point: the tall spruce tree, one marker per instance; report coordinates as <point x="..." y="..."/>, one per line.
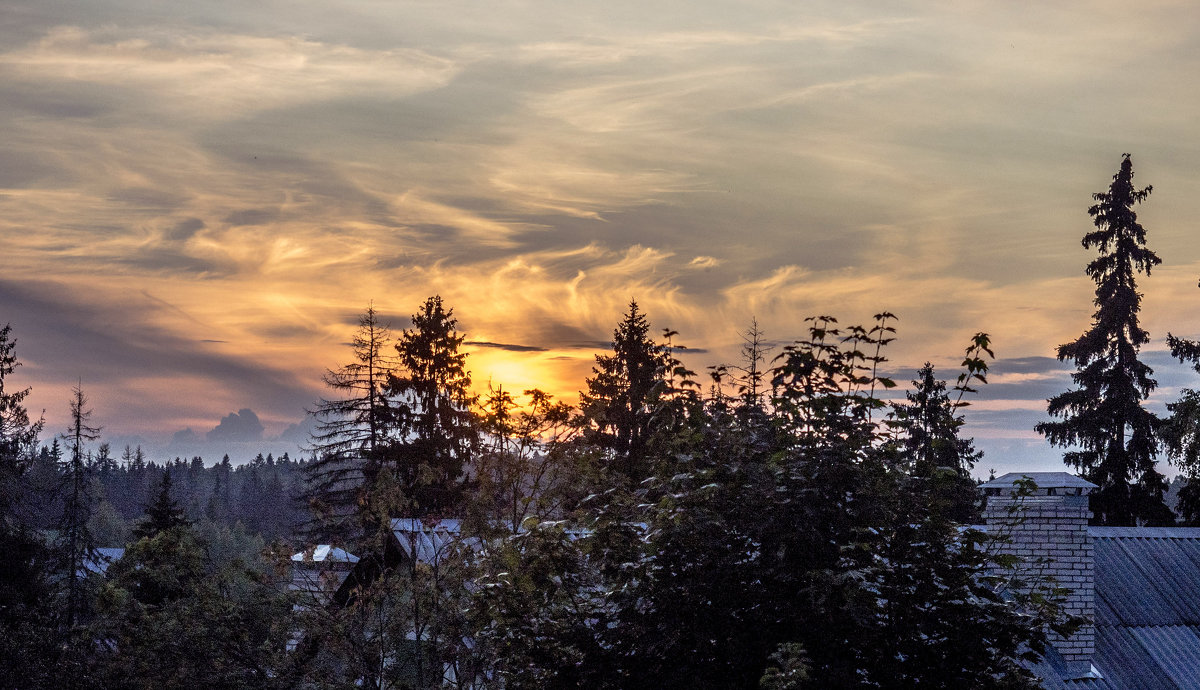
<point x="27" y="646"/>
<point x="1111" y="438"/>
<point x="351" y="430"/>
<point x="18" y="440"/>
<point x="18" y="434"/>
<point x="75" y="544"/>
<point x="436" y="433"/>
<point x="163" y="514"/>
<point x="617" y="407"/>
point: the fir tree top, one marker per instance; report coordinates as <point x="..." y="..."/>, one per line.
<point x="163" y="514"/>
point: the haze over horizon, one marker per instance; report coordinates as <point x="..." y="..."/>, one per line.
<point x="197" y="201"/>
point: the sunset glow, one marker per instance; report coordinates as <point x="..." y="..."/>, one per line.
<point x="197" y="201"/>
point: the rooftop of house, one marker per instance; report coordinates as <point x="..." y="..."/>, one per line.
<point x="324" y="553"/>
<point x="100" y="559"/>
<point x="1147" y="611"/>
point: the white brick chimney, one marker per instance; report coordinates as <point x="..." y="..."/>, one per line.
<point x="1048" y="529"/>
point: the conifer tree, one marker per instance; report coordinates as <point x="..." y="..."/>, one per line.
<point x="929" y="424"/>
<point x="163" y="514"/>
<point x="435" y="431"/>
<point x="17" y="433"/>
<point x="351" y="430"/>
<point x="1111" y="438"/>
<point x="622" y="393"/>
<point x="752" y="385"/>
<point x="75" y="543"/>
<point x="18" y="439"/>
<point x="26" y="645"/>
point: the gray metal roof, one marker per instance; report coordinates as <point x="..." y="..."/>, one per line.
<point x="1044" y="480"/>
<point x="1147" y="613"/>
<point x="324" y="553"/>
<point x="427" y="542"/>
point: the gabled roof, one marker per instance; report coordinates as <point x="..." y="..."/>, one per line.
<point x="1147" y="611"/>
<point x="426" y="541"/>
<point x="324" y="553"/>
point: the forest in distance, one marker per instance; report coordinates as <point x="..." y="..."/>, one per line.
<point x="773" y="522"/>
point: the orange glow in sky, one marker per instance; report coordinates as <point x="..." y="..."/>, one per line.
<point x="195" y="205"/>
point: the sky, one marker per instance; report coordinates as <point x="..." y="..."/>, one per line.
<point x="197" y="200"/>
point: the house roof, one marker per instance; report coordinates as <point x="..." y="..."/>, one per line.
<point x="1147" y="612"/>
<point x="426" y="541"/>
<point x="324" y="553"/>
<point x="1044" y="480"/>
<point x="99" y="560"/>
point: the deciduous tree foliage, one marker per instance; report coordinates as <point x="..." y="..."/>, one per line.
<point x="1110" y="436"/>
<point x="795" y="548"/>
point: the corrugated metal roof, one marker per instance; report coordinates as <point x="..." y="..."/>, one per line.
<point x="1147" y="613"/>
<point x="1175" y="650"/>
<point x="1147" y="577"/>
<point x="1125" y="663"/>
<point x="1145" y="532"/>
<point x="427" y="542"/>
<point x="1130" y="591"/>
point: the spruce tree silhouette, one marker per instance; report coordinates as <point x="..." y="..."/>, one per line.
<point x="162" y="514"/>
<point x="1111" y="438"/>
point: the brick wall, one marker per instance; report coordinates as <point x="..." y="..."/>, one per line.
<point x="1049" y="533"/>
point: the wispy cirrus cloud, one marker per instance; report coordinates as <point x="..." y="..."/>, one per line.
<point x="238" y="182"/>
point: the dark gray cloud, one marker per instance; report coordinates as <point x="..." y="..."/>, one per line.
<point x="110" y="340"/>
<point x="242" y="425"/>
<point x="185" y="436"/>
<point x="252" y="216"/>
<point x="22" y="169"/>
<point x="151" y="200"/>
<point x="509" y="347"/>
<point x="165" y="259"/>
<point x="61" y="100"/>
<point x="184" y="229"/>
<point x="391" y="320"/>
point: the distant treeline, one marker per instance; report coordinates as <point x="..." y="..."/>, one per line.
<point x="263" y="496"/>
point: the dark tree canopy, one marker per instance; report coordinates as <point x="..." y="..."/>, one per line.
<point x="435" y="432"/>
<point x="805" y="553"/>
<point x="17" y="433"/>
<point x="929" y="424"/>
<point x="26" y="635"/>
<point x="1180" y="432"/>
<point x="351" y="432"/>
<point x="163" y="514"/>
<point x="621" y="395"/>
<point x="1111" y="437"/>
